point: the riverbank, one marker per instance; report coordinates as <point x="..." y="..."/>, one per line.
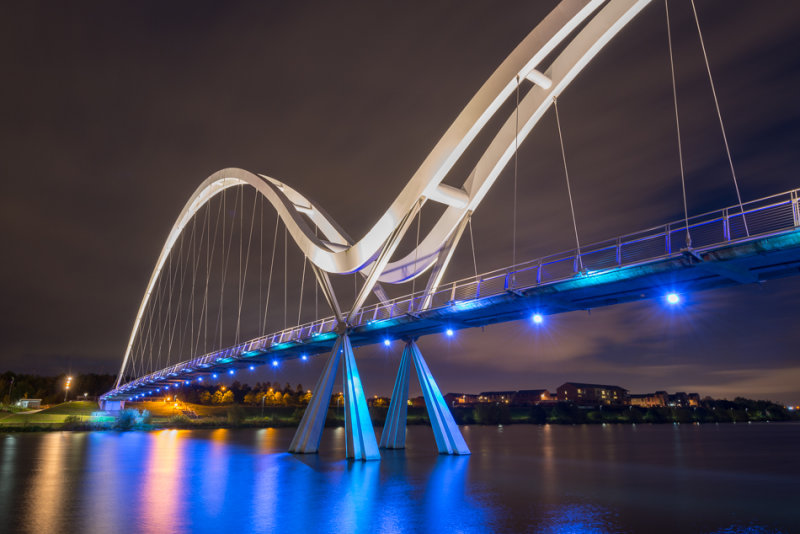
<point x="158" y="415"/>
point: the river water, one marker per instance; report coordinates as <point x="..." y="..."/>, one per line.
<point x="726" y="478"/>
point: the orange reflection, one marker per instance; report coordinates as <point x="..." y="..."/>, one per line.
<point x="163" y="481"/>
<point x="267" y="440"/>
<point x="44" y="497"/>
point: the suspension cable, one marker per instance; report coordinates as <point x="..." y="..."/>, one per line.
<point x="416" y="255"/>
<point x="719" y="116"/>
<point x="210" y="248"/>
<point x="516" y="158"/>
<point x="678" y="127"/>
<point x="246" y="264"/>
<point x="226" y="262"/>
<point x="190" y="317"/>
<point x="569" y="190"/>
<point x="195" y="264"/>
<point x="239" y="264"/>
<point x="285" y="275"/>
<point x="271" y="266"/>
<point x="302" y="284"/>
<point x="472" y="241"/>
<point x="260" y="252"/>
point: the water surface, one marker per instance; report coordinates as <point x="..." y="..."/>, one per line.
<point x="521" y="478"/>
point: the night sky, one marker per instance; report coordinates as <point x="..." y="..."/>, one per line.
<point x="112" y="113"/>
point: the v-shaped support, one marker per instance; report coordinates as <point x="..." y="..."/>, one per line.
<point x="360" y="442"/>
<point x="306" y="438"/>
<point x="445" y="430"/>
<point x="360" y="439"/>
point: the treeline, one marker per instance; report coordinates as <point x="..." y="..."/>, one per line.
<point x="739" y="410"/>
<point x="51" y="389"/>
<point x="267" y="393"/>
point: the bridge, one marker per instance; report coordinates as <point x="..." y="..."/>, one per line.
<point x="169" y="347"/>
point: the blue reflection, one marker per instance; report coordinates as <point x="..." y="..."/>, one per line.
<point x="553" y="479"/>
<point x="578" y="519"/>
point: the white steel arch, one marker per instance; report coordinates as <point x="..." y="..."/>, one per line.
<point x="337" y="253"/>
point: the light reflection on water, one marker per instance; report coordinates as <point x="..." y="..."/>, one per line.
<point x="550" y="480"/>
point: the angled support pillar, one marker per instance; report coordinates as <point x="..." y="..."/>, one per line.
<point x="394" y="430"/>
<point x="445" y="430"/>
<point x="360" y="439"/>
<point x="306" y="438"/>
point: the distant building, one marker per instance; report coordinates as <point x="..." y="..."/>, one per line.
<point x="531" y="396"/>
<point x="684" y="400"/>
<point x="581" y="393"/>
<point x="496" y="396"/>
<point x="460" y="399"/>
<point x="650" y="400"/>
<point x="662" y="398"/>
<point x="30" y="403"/>
<point x="417" y="402"/>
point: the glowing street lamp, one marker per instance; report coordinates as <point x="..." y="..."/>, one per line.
<point x="537" y="318"/>
<point x="673" y="298"/>
<point x="449" y="332"/>
<point x="66" y="387"/>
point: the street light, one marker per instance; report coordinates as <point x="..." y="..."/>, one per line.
<point x="66" y="387"/>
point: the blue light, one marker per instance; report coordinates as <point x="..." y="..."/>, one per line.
<point x="159" y="389"/>
<point x="449" y="332"/>
<point x="199" y="378"/>
<point x="252" y="367"/>
<point x="187" y="382"/>
<point x="304" y="357"/>
<point x="673" y="298"/>
<point x="214" y="375"/>
<point x="386" y="342"/>
<point x="230" y="371"/>
<point x="537" y="318"/>
<point x="274" y="363"/>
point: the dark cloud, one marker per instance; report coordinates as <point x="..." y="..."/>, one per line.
<point x="112" y="113"/>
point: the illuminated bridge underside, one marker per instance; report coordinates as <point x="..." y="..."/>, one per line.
<point x="643" y="265"/>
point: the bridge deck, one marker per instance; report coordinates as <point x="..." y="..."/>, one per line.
<point x="643" y="265"/>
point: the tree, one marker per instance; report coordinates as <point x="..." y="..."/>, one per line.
<point x="219" y="396"/>
<point x="537" y="415"/>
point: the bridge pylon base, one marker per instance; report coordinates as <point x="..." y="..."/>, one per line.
<point x="306" y="438"/>
<point x="394" y="429"/>
<point x="360" y="442"/>
<point x="445" y="430"/>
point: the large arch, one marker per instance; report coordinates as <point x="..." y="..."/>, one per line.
<point x="371" y="254"/>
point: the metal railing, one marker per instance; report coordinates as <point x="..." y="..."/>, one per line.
<point x="765" y="216"/>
